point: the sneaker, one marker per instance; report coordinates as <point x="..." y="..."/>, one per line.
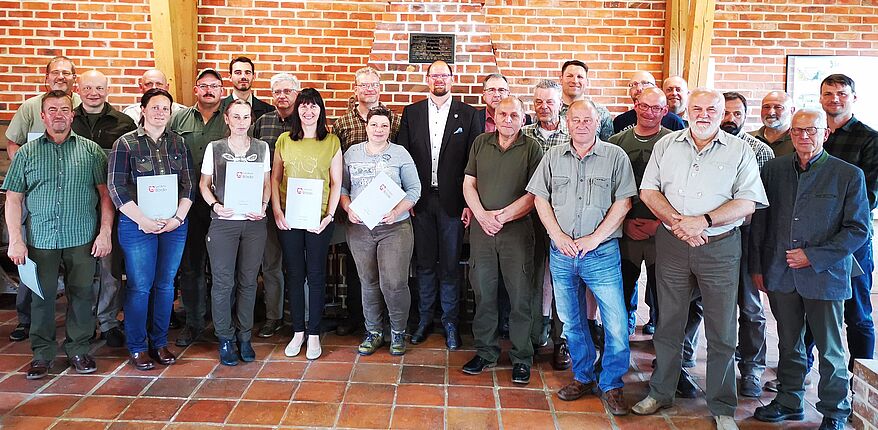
<point x="20" y="333"/>
<point x="295" y="344"/>
<point x="314" y="349"/>
<point x="649" y="328"/>
<point x="115" y="337"/>
<point x="750" y="386"/>
<point x="371" y="342"/>
<point x="187" y="336"/>
<point x="270" y="328"/>
<point x="397" y="342"/>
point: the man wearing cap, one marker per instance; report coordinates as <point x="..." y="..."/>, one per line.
<point x="199" y="125"/>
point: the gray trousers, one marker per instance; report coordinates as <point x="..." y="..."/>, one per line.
<point x="382" y="256"/>
<point x="751" y="319"/>
<point x="509" y="252"/>
<point x="825" y="318"/>
<point x="714" y="269"/>
<point x="235" y="251"/>
<point x="272" y="272"/>
<point x="109" y="293"/>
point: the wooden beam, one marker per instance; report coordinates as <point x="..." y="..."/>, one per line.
<point x="699" y="39"/>
<point x="174" y="41"/>
<point x="676" y="20"/>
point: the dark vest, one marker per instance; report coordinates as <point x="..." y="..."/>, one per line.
<point x="222" y="154"/>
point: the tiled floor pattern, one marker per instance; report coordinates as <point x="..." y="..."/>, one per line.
<point x="422" y="390"/>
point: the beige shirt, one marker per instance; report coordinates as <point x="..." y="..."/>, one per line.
<point x="698" y="182"/>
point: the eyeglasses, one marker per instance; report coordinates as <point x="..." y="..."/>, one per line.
<point x="369" y="85"/>
<point x="646" y="107"/>
<point x="641" y="84"/>
<point x="439" y="75"/>
<point x="500" y="91"/>
<point x="57" y="73"/>
<point x="797" y="131"/>
<point x="285" y="91"/>
<point x="205" y="87"/>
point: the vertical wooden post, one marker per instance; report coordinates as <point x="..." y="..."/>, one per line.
<point x="699" y="41"/>
<point x="175" y="40"/>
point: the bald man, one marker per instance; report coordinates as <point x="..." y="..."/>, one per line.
<point x="152" y="78"/>
<point x="677" y="91"/>
<point x="777" y="115"/>
<point x="638" y="82"/>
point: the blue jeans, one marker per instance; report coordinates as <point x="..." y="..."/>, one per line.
<point x="151" y="262"/>
<point x="599" y="271"/>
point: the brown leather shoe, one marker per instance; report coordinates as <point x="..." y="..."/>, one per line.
<point x="163" y="355"/>
<point x="561" y="356"/>
<point x="615" y="402"/>
<point x="141" y="361"/>
<point x="83" y="363"/>
<point x="575" y="390"/>
<point x="38" y="369"/>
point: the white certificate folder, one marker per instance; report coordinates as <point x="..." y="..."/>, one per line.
<point x="243" y="192"/>
<point x="304" y="203"/>
<point x="157" y="195"/>
<point x="377" y="199"/>
<point x="27" y="272"/>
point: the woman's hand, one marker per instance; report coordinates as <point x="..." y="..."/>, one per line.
<point x="280" y="220"/>
<point x="390" y="217"/>
<point x="152" y="226"/>
<point x="171" y="224"/>
<point x="223" y="211"/>
<point x="253" y="216"/>
<point x="353" y="218"/>
<point x="323" y="223"/>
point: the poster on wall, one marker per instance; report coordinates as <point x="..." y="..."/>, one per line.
<point x="805" y="72"/>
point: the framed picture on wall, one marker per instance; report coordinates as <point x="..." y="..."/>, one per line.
<point x="805" y="72"/>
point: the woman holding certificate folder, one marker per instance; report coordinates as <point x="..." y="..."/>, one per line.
<point x="305" y="187"/>
<point x="150" y="182"/>
<point x="235" y="184"/>
<point x="382" y="253"/>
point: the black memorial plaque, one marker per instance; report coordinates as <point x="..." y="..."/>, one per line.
<point x="430" y="47"/>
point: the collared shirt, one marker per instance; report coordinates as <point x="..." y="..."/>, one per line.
<point x="438" y="117"/>
<point x="696" y="182"/>
<point x="134" y="110"/>
<point x="190" y="125"/>
<point x="639" y="150"/>
<point x="857" y="143"/>
<point x="581" y="190"/>
<point x="135" y="154"/>
<point x="27" y="119"/>
<point x="782" y="146"/>
<point x="269" y="127"/>
<point x="762" y="151"/>
<point x="109" y="126"/>
<point x="558" y="136"/>
<point x="815" y="160"/>
<point x="606" y="129"/>
<point x="490" y="125"/>
<point x="518" y="163"/>
<point x="59" y="183"/>
<point x="351" y="128"/>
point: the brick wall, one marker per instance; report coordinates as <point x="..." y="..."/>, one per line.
<point x="324" y="42"/>
<point x="865" y="403"/>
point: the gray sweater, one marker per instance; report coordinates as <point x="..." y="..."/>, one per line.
<point x="360" y="168"/>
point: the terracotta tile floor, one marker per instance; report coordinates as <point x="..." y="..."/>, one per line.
<point x="422" y="390"/>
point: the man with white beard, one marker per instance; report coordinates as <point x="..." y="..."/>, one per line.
<point x="701" y="182"/>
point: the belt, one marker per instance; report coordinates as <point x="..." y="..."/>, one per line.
<point x="721" y="236"/>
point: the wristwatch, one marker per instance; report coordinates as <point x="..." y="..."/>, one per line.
<point x="178" y="219"/>
<point x="709" y="221"/>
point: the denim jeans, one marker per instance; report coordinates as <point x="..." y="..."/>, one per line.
<point x="305" y="256"/>
<point x="151" y="262"/>
<point x="599" y="271"/>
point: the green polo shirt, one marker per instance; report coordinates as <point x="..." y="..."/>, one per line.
<point x="782" y="146"/>
<point x="189" y="124"/>
<point x="59" y="182"/>
<point x="502" y="174"/>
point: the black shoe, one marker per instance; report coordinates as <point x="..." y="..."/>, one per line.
<point x="452" y="338"/>
<point x="21" y="332"/>
<point x="477" y="365"/>
<point x="83" y="363"/>
<point x="775" y="412"/>
<point x="831" y="424"/>
<point x="420" y="334"/>
<point x="245" y="348"/>
<point x="115" y="337"/>
<point x="227" y="354"/>
<point x="686" y="387"/>
<point x="174" y="322"/>
<point x="38" y="369"/>
<point x="270" y="328"/>
<point x="561" y="356"/>
<point x="597" y="333"/>
<point x="187" y="336"/>
<point x="649" y="328"/>
<point x="520" y="373"/>
<point x="504" y="329"/>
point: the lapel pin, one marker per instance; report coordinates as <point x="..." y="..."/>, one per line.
<point x="455" y="115"/>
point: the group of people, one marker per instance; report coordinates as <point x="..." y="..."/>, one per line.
<point x="563" y="209"/>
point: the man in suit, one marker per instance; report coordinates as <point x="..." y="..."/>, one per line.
<point x="242" y="73"/>
<point x="438" y="133"/>
<point x="802" y="253"/>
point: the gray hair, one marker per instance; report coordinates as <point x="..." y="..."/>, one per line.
<point x="286" y="77"/>
<point x="818" y="114"/>
<point x="548" y="84"/>
<point x="366" y="71"/>
<point x="493" y="76"/>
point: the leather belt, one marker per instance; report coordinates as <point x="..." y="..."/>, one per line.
<point x="721" y="236"/>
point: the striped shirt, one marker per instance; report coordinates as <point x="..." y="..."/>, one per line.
<point x="762" y="151"/>
<point x="59" y="183"/>
<point x="135" y="154"/>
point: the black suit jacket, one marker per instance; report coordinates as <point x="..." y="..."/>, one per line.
<point x="259" y="107"/>
<point x="482" y="116"/>
<point x="461" y="129"/>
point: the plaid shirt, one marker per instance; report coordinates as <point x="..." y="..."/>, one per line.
<point x="59" y="183"/>
<point x="135" y="154"/>
<point x="269" y="127"/>
<point x="559" y="135"/>
<point x="761" y="149"/>
<point x="351" y="128"/>
<point x="857" y="143"/>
